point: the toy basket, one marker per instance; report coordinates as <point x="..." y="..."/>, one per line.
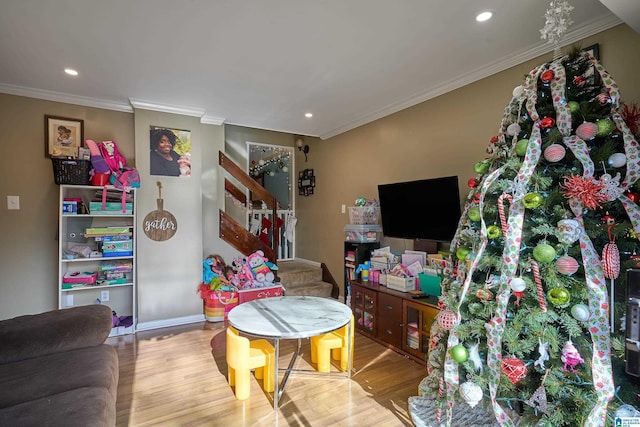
<point x="364" y="215"/>
<point x="71" y="171"/>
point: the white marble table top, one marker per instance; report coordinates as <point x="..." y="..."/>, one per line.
<point x="289" y="316"/>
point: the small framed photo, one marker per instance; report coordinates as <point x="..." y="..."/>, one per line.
<point x="63" y="136"/>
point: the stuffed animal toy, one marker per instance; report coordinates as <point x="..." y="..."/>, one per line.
<point x="213" y="268"/>
<point x="260" y="268"/>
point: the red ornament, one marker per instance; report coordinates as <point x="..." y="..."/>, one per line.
<point x="634" y="197"/>
<point x="514" y="369"/>
<point x="473" y="183"/>
<point x="547" y="122"/>
<point x="631" y="116"/>
<point x="547" y="76"/>
<point x="608" y="219"/>
<point x="579" y="80"/>
<point x="476" y="198"/>
<point x="494" y="139"/>
<point x="586" y="190"/>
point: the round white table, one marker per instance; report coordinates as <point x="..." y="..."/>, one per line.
<point x="290" y="317"/>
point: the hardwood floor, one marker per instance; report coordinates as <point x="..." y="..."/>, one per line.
<point x="178" y="377"/>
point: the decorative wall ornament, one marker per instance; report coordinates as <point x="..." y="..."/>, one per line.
<point x="306" y="182"/>
<point x="160" y="225"/>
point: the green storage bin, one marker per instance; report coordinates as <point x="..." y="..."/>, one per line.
<point x="430" y="285"/>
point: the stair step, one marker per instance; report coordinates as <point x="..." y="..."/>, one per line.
<point x="313" y="289"/>
<point x="303" y="279"/>
<point x="294" y="272"/>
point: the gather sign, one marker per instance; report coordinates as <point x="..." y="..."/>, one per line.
<point x="160" y="225"/>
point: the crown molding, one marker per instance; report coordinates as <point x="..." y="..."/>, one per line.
<point x="212" y="120"/>
<point x="65" y="98"/>
<point x="165" y="108"/>
<point x="580" y="33"/>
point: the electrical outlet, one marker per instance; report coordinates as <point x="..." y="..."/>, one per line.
<point x="104" y="296"/>
<point x="344" y="208"/>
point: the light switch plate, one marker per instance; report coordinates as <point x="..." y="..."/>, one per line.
<point x="13" y="203"/>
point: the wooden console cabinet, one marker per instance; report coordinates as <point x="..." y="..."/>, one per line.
<point x="393" y="318"/>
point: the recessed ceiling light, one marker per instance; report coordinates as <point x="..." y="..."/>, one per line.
<point x="308" y="115"/>
<point x="484" y="16"/>
<point x="71" y="71"/>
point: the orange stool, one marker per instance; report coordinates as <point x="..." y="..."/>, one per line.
<point x="243" y="356"/>
<point x="334" y="343"/>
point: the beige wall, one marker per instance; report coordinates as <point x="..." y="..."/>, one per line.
<point x="28" y="246"/>
<point x="441" y="137"/>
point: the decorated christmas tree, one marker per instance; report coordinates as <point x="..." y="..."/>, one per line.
<point x="532" y="325"/>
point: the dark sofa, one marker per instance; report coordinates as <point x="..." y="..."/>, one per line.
<point x="55" y="369"/>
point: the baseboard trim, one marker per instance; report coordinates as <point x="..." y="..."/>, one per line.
<point x="176" y="321"/>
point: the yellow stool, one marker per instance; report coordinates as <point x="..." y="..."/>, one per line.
<point x="334" y="343"/>
<point x="243" y="356"/>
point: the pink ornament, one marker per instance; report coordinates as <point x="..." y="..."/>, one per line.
<point x="570" y="357"/>
<point x="567" y="265"/>
<point x="611" y="261"/>
<point x="587" y="131"/>
<point x="554" y="153"/>
<point x="447" y="319"/>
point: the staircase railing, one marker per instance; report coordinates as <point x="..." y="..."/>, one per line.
<point x="236" y="234"/>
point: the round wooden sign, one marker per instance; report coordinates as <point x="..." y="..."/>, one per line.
<point x="160" y="225"/>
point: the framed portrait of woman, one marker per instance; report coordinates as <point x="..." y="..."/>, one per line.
<point x="169" y="152"/>
<point x="63" y="136"/>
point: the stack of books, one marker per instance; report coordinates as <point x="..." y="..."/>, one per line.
<point x="112" y="241"/>
<point x="115" y="272"/>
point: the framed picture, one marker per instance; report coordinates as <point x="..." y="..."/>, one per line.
<point x="169" y="151"/>
<point x="593" y="50"/>
<point x="306" y="182"/>
<point x="63" y="136"/>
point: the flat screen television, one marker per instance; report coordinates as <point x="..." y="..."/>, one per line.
<point x="427" y="209"/>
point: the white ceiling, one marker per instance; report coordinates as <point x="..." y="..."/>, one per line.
<point x="264" y="63"/>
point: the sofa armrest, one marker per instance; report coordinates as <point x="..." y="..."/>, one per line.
<point x="30" y="336"/>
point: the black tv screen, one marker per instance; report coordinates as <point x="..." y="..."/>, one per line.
<point x="427" y="209"/>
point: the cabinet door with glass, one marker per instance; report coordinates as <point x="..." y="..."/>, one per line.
<point x="416" y="326"/>
<point x="363" y="304"/>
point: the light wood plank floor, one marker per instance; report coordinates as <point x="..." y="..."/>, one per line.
<point x="178" y="377"/>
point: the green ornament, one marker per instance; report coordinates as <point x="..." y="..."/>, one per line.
<point x="481" y="167"/>
<point x="544" y="253"/>
<point x="605" y="127"/>
<point x="493" y="231"/>
<point x="574" y="107"/>
<point x="521" y="147"/>
<point x="459" y="353"/>
<point x="474" y="213"/>
<point x="532" y="200"/>
<point x="462" y="253"/>
<point x="559" y="296"/>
